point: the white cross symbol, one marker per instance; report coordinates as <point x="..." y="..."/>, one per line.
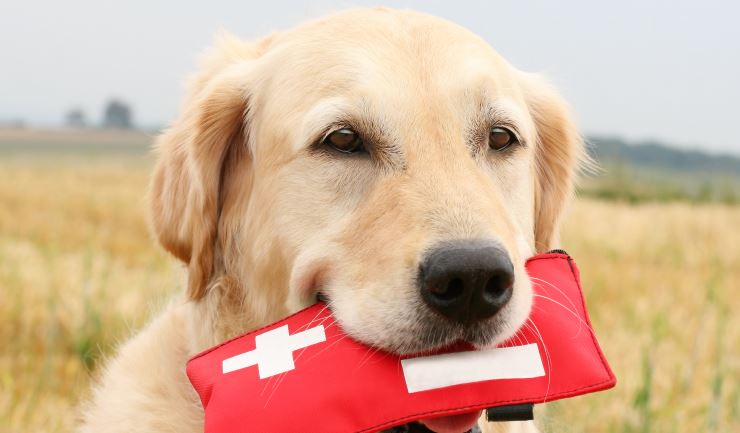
<point x="273" y="353"/>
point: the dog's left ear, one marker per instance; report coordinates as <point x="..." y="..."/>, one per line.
<point x="185" y="193"/>
<point x="559" y="154"/>
<point x="198" y="154"/>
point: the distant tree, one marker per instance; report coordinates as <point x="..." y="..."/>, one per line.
<point x="117" y="114"/>
<point x="12" y="123"/>
<point x="75" y="118"/>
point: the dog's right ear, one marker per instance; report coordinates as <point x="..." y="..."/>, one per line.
<point x="559" y="156"/>
<point x="185" y="193"/>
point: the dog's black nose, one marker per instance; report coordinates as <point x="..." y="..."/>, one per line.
<point x="468" y="280"/>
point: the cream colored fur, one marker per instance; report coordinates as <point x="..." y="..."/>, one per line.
<point x="263" y="217"/>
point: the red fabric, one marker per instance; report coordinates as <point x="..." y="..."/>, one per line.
<point x="341" y="386"/>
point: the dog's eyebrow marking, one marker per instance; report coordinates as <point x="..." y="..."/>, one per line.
<point x="488" y="114"/>
<point x="337" y="112"/>
<point x="326" y="112"/>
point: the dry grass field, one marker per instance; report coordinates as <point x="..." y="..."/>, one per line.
<point x="79" y="273"/>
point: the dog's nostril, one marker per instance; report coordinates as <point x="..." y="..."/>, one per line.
<point x="498" y="285"/>
<point x="452" y="290"/>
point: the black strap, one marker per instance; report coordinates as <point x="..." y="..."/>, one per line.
<point x="514" y="412"/>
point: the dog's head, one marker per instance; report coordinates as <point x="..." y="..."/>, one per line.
<point x="389" y="161"/>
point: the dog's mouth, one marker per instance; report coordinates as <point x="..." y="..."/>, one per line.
<point x="460" y="423"/>
<point x="428" y="333"/>
<point x="435" y="334"/>
<point x="463" y="423"/>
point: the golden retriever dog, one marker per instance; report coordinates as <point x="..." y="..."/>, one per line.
<point x="389" y="162"/>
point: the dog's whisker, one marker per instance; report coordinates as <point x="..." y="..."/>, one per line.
<point x="328" y="347"/>
<point x="300" y="352"/>
<point x="333" y="323"/>
<point x="518" y="339"/>
<point x="268" y="384"/>
<point x="274" y="389"/>
<point x="282" y="376"/>
<point x="570" y="301"/>
<point x="308" y="325"/>
<point x="547" y="355"/>
<point x="279" y="381"/>
<point x="581" y="322"/>
<point x="366" y="358"/>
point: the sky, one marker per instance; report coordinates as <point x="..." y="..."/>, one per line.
<point x="643" y="70"/>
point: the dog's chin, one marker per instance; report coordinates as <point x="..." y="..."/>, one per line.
<point x="434" y="334"/>
<point x="426" y="332"/>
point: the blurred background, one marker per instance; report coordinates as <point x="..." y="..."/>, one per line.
<point x="86" y="85"/>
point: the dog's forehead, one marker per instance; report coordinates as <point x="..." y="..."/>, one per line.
<point x="381" y="50"/>
<point x="385" y="60"/>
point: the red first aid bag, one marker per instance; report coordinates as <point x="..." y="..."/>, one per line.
<point x="304" y="374"/>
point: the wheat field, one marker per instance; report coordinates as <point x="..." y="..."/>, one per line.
<point x="79" y="273"/>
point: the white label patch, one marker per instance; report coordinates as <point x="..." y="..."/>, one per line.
<point x="273" y="353"/>
<point x="439" y="371"/>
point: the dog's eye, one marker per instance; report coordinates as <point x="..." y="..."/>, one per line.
<point x="500" y="138"/>
<point x="345" y="140"/>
